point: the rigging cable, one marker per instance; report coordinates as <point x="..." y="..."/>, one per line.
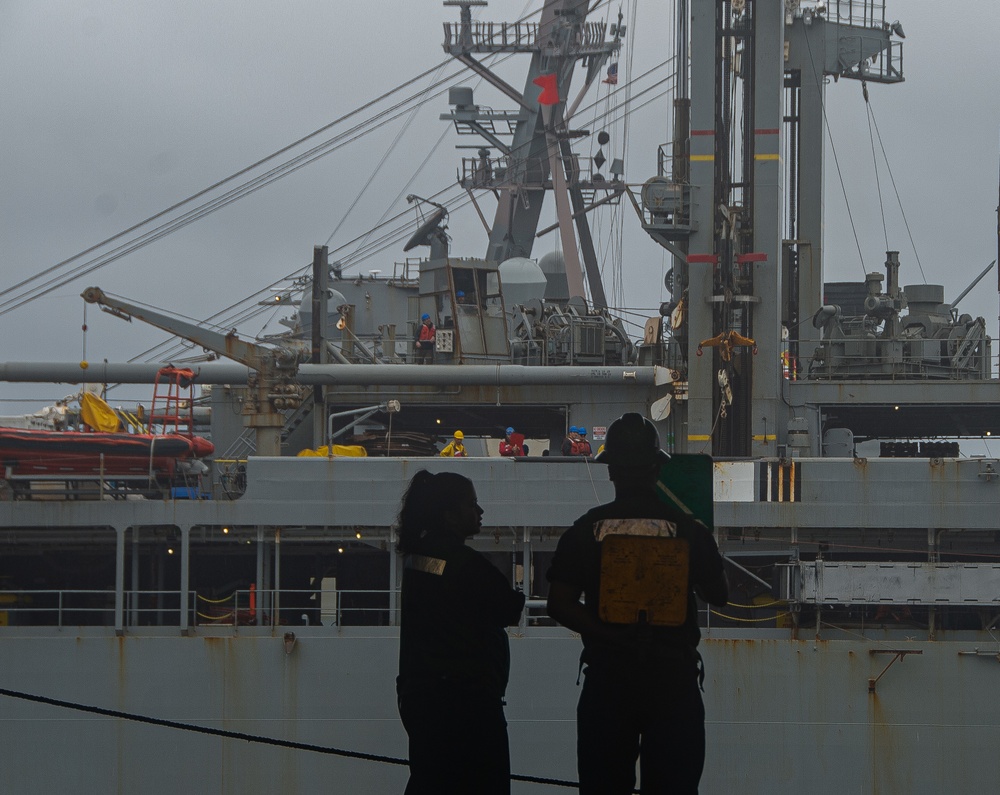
<point x="222" y="182"/>
<point x="836" y="160"/>
<point x="27" y="298"/>
<point x="895" y="189"/>
<point x="250" y="738"/>
<point x="385" y="157"/>
<point x="878" y="182"/>
<point x="211" y="206"/>
<point x="401" y="232"/>
<point x="406" y="188"/>
<point x="403" y="229"/>
<point x="395" y="235"/>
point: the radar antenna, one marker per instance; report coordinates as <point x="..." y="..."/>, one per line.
<point x="431" y="232"/>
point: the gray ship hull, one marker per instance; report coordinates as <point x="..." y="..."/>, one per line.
<point x="790" y="703"/>
<point x="781" y="715"/>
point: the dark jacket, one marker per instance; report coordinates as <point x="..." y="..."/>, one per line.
<point x="455" y="606"/>
<point x="577" y="562"/>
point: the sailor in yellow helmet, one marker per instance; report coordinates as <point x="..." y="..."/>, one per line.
<point x="455" y="448"/>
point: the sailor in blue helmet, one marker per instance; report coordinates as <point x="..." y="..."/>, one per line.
<point x="512" y="444"/>
<point x="423" y="343"/>
<point x="583" y="446"/>
<point x="569" y="443"/>
<point x="641" y="696"/>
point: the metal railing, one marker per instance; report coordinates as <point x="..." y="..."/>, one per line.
<point x="241" y="608"/>
<point x="367" y="608"/>
<point x="75" y="607"/>
<point x="78" y="607"/>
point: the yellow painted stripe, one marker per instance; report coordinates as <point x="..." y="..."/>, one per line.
<point x="703" y="157"/>
<point x="698" y="437"/>
<point x="769" y="437"/>
<point x="767" y="157"/>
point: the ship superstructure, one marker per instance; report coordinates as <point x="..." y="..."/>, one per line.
<point x="860" y="640"/>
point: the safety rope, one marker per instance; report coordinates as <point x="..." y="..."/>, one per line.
<point x="757" y="607"/>
<point x="251" y="738"/>
<point x="216" y="601"/>
<point x="223" y="617"/>
<point x="750" y="620"/>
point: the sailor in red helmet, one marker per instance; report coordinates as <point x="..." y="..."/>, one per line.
<point x="641" y="696"/>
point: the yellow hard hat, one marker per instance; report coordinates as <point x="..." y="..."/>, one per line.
<point x="459" y="435"/>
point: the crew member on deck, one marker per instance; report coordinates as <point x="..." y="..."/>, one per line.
<point x="512" y="444"/>
<point x="569" y="443"/>
<point x="423" y="344"/>
<point x="456" y="447"/>
<point x="641" y="696"/>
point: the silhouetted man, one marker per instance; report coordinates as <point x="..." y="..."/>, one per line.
<point x="638" y="562"/>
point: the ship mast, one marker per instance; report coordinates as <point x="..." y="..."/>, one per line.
<point x="538" y="157"/>
<point x="758" y="75"/>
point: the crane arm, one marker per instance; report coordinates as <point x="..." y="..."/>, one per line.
<point x="229" y="345"/>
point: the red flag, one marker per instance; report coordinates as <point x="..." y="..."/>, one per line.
<point x="550" y="89"/>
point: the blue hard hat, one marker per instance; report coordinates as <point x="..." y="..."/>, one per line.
<point x="573" y="429"/>
<point x="581" y="431"/>
<point x="509" y="431"/>
<point x="425" y="316"/>
<point x="460" y="294"/>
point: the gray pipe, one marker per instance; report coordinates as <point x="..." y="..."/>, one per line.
<point x="471" y="375"/>
<point x="343" y="374"/>
<point x="110" y="373"/>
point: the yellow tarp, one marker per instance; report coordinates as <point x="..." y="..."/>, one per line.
<point x="98" y="414"/>
<point x="347" y="450"/>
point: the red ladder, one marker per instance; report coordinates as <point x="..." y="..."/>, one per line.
<point x="173" y="401"/>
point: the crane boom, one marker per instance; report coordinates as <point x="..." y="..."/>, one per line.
<point x="270" y="387"/>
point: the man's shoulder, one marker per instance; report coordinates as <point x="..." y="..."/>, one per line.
<point x="652" y="508"/>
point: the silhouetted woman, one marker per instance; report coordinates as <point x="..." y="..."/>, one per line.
<point x="454" y="658"/>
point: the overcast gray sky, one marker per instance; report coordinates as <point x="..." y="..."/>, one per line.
<point x="113" y="111"/>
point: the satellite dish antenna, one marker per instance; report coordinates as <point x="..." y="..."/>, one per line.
<point x="428" y="231"/>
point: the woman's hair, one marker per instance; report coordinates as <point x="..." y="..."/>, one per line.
<point x="424" y="504"/>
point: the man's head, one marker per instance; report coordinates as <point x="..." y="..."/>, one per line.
<point x="632" y="446"/>
<point x="425" y="319"/>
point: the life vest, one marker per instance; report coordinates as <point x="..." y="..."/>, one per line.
<point x="645" y="570"/>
